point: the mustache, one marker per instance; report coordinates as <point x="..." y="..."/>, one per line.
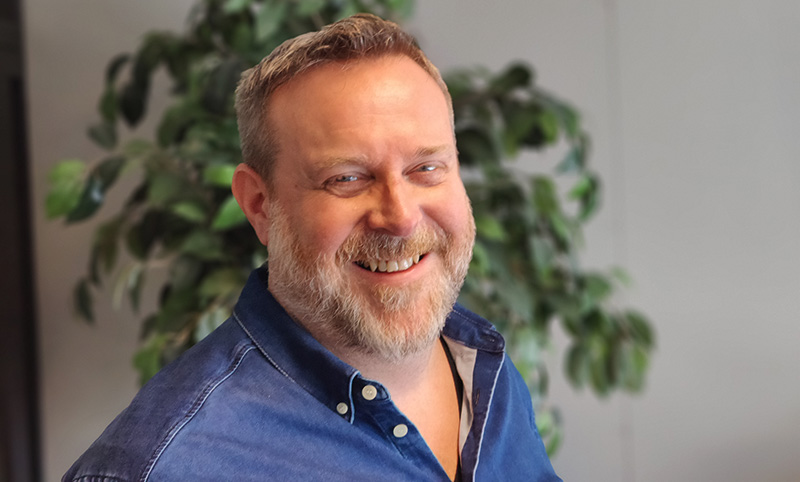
<point x="363" y="246"/>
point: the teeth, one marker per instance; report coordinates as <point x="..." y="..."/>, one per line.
<point x="390" y="266"/>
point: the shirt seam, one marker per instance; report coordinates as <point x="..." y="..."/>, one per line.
<point x="261" y="348"/>
<point x="482" y="327"/>
<point x="101" y="477"/>
<point x="196" y="406"/>
<point x="486" y="419"/>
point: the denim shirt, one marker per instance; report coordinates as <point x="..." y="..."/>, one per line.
<point x="261" y="399"/>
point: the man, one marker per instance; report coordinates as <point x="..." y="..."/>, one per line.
<point x="345" y="359"/>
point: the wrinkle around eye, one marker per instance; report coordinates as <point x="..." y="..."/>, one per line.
<point x="346" y="185"/>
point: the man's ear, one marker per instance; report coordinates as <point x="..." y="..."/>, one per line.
<point x="252" y="194"/>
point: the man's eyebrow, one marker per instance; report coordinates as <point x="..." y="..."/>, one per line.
<point x="421" y="153"/>
<point x="433" y="150"/>
<point x="333" y="162"/>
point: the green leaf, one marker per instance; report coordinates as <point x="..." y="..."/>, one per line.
<point x="516" y="76"/>
<point x="222" y="282"/>
<point x="164" y="187"/>
<point x="114" y="67"/>
<point x="229" y="215"/>
<point x="204" y="245"/>
<point x="105" y="243"/>
<point x="489" y="228"/>
<point x="474" y="147"/>
<point x="90" y="201"/>
<point x="141" y="237"/>
<point x="480" y="264"/>
<point x="403" y="8"/>
<point x="147" y="361"/>
<point x="269" y="19"/>
<point x="209" y="321"/>
<point x="640" y="329"/>
<point x="548" y="123"/>
<point x="577" y="365"/>
<point x="520" y="120"/>
<point x="189" y="211"/>
<point x="553" y="443"/>
<point x="544" y="196"/>
<point x="310" y="7"/>
<point x="236" y="6"/>
<point x="83" y="301"/>
<point x="66" y="180"/>
<point x="242" y="38"/>
<point x="347" y="9"/>
<point x="574" y="161"/>
<point x="596" y="289"/>
<point x="107" y="171"/>
<point x="587" y="191"/>
<point x="132" y="102"/>
<point x="175" y="122"/>
<point x="129" y="281"/>
<point x="221" y="84"/>
<point x="219" y="174"/>
<point x="108" y="105"/>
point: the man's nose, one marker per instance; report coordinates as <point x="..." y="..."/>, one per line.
<point x="397" y="209"/>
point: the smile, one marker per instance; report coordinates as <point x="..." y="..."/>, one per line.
<point x="390" y="266"/>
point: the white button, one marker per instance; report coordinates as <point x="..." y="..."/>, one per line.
<point x="400" y="430"/>
<point x="342" y="408"/>
<point x="369" y="392"/>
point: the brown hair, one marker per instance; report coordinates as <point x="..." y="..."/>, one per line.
<point x="358" y="37"/>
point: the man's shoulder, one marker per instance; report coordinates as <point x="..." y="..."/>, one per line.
<point x="132" y="443"/>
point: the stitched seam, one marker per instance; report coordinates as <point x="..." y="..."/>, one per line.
<point x="101" y="477"/>
<point x="198" y="404"/>
<point x="486" y="419"/>
<point x="261" y="348"/>
<point x="473" y="323"/>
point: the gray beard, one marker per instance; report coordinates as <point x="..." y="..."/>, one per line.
<point x="389" y="322"/>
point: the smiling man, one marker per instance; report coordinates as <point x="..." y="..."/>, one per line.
<point x="346" y="357"/>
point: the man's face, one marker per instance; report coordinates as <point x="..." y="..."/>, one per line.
<point x="370" y="227"/>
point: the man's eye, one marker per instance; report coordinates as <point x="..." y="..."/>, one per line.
<point x="345" y="178"/>
<point x="428" y="174"/>
<point x="347" y="185"/>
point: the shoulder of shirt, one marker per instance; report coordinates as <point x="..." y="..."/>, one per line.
<point x="132" y="443"/>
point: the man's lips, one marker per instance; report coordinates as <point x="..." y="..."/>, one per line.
<point x="390" y="265"/>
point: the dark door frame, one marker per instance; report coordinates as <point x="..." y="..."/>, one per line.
<point x="19" y="426"/>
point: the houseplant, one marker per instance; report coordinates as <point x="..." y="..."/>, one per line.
<point x="525" y="274"/>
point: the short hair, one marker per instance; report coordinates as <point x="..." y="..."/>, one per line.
<point x="361" y="36"/>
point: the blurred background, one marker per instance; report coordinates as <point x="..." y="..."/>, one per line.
<point x="692" y="106"/>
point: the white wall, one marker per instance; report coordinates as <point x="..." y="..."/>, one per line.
<point x="692" y="107"/>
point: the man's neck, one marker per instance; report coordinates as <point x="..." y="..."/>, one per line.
<point x="422" y="387"/>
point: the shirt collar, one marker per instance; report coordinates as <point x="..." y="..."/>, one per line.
<point x="288" y="346"/>
<point x="292" y="350"/>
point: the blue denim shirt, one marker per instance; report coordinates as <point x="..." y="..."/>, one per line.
<point x="260" y="399"/>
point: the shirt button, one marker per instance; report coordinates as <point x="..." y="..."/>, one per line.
<point x="400" y="430"/>
<point x="342" y="408"/>
<point x="369" y="392"/>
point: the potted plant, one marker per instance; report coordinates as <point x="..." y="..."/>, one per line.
<point x="525" y="274"/>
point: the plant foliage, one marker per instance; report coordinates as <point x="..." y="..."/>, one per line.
<point x="525" y="273"/>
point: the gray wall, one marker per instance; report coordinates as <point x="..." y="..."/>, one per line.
<point x="692" y="106"/>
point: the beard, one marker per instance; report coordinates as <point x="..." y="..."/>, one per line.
<point x="391" y="322"/>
